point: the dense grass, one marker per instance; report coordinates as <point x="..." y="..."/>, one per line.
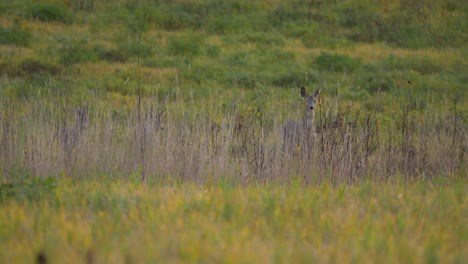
<point x="127" y="221"/>
<point x="225" y="138"/>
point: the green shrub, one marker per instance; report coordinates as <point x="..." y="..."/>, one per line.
<point x="234" y="24"/>
<point x="336" y="62"/>
<point x="110" y="55"/>
<point x="287" y="78"/>
<point x="15" y="35"/>
<point x="362" y="19"/>
<point x="33" y="66"/>
<point x="302" y="30"/>
<point x="26" y="187"/>
<point x="223" y="17"/>
<point x="19" y="89"/>
<point x="240" y="58"/>
<point x="50" y="12"/>
<point x="76" y="51"/>
<point x="29" y="67"/>
<point x="376" y="82"/>
<point x="166" y="93"/>
<point x="5" y="66"/>
<point x="220" y="25"/>
<point x="213" y="51"/>
<point x="177" y="16"/>
<point x="203" y="71"/>
<point x="262" y="38"/>
<point x="73" y="55"/>
<point x="296" y="12"/>
<point x="279" y="68"/>
<point x="403" y="30"/>
<point x="419" y="26"/>
<point x="85" y="5"/>
<point x="123" y="81"/>
<point x="4" y="7"/>
<point x="126" y="82"/>
<point x="131" y="48"/>
<point x="185" y="45"/>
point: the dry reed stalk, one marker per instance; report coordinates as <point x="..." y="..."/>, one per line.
<point x="188" y="145"/>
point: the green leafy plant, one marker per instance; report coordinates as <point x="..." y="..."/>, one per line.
<point x="185" y="45"/>
<point x="24" y="186"/>
<point x="50" y="12"/>
<point x="336" y="62"/>
<point x="73" y="51"/>
<point x="110" y="54"/>
<point x="15" y="35"/>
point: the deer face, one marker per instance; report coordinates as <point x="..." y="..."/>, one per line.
<point x="310" y="99"/>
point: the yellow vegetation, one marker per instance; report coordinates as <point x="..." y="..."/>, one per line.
<point x="125" y="221"/>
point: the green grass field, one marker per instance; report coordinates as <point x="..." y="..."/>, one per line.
<point x="127" y="221"/>
<point x="152" y="131"/>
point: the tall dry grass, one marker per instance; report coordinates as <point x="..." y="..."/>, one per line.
<point x="186" y="143"/>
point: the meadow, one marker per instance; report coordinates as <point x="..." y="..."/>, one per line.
<point x="130" y="222"/>
<point x="152" y="131"/>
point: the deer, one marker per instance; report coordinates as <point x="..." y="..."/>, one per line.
<point x="298" y="137"/>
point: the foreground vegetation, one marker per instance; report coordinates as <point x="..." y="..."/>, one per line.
<point x="126" y="221"/>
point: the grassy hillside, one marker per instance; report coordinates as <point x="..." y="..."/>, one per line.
<point x="368" y="47"/>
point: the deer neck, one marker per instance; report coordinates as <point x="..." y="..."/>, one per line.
<point x="308" y="122"/>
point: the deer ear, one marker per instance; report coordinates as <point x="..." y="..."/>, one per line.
<point x="303" y="92"/>
<point x="317" y="92"/>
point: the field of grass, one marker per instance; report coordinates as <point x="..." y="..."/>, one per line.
<point x="130" y="222"/>
<point x="151" y="131"/>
